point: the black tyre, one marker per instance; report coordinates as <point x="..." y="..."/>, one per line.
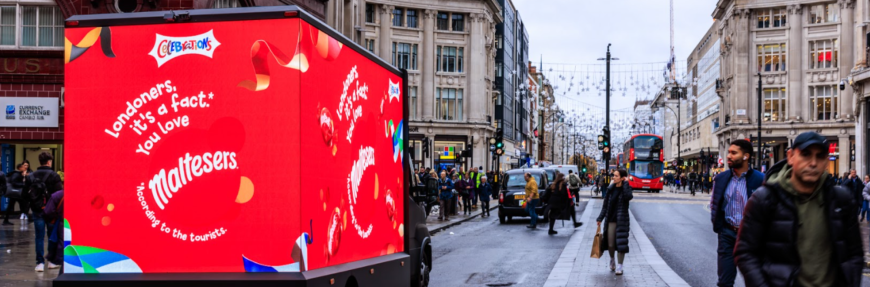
<point x="425" y="269"/>
<point x="501" y="218"/>
<point x="510" y="218"/>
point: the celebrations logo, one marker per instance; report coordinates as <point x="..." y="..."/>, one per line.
<point x="168" y="48"/>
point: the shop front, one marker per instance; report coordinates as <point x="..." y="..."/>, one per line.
<point x="31" y="93"/>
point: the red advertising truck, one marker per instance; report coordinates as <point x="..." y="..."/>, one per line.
<point x="235" y="147"/>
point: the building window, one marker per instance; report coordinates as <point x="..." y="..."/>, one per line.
<point x="38" y="26"/>
<point x="771" y="58"/>
<point x="7" y="25"/>
<point x="412" y="18"/>
<point x="449" y="59"/>
<point x="370" y="13"/>
<point x="498" y="70"/>
<point x="824" y="54"/>
<point x="448" y="104"/>
<point x="771" y="18"/>
<point x="405" y="56"/>
<point x="397" y="17"/>
<point x="412" y="109"/>
<point x="458" y="22"/>
<point x="774" y="104"/>
<point x="370" y="45"/>
<point x="226" y="3"/>
<point x="443" y="21"/>
<point x="824" y="13"/>
<point x="823" y="101"/>
<point x="498" y="41"/>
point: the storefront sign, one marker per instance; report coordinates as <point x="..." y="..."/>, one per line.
<point x="31" y="66"/>
<point x="29" y="112"/>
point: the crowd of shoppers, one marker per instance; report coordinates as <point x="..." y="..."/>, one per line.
<point x="39" y="196"/>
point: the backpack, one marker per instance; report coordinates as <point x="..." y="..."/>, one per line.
<point x="39" y="191"/>
<point x="573" y="180"/>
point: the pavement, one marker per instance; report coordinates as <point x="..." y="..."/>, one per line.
<point x="18" y="257"/>
<point x="642" y="266"/>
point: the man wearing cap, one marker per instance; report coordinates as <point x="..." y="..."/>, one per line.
<point x="800" y="228"/>
<point x="731" y="191"/>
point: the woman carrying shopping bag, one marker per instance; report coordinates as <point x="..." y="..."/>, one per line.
<point x="615" y="210"/>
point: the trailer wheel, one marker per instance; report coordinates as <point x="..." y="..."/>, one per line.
<point x="425" y="266"/>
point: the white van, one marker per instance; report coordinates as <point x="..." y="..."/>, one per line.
<point x="564" y="169"/>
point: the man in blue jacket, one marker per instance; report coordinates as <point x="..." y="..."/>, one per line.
<point x="731" y="191"/>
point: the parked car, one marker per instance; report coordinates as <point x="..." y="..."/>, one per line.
<point x="513" y="193"/>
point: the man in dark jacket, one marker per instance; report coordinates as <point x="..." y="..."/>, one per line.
<point x="801" y="229"/>
<point x="856" y="187"/>
<point x="45" y="173"/>
<point x="731" y="191"/>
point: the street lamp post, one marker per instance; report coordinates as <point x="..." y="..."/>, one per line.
<point x="679" y="134"/>
<point x="759" y="122"/>
<point x="606" y="157"/>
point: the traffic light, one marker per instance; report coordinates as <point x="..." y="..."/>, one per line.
<point x="600" y="142"/>
<point x="606" y="137"/>
<point x="499" y="144"/>
<point x="584" y="168"/>
<point x="425" y="147"/>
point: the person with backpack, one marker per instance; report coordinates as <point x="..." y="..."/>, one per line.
<point x="574" y="185"/>
<point x="45" y="182"/>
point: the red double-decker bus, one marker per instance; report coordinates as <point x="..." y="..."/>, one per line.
<point x="644" y="161"/>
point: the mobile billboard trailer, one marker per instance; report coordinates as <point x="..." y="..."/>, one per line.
<point x="241" y="145"/>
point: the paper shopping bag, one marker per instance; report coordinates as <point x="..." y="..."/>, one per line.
<point x="596" y="244"/>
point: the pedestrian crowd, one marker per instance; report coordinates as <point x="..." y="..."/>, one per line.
<point x="39" y="196"/>
<point x="458" y="190"/>
<point x="793" y="225"/>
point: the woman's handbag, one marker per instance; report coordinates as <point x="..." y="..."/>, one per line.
<point x="596" y="244"/>
<point x="12" y="192"/>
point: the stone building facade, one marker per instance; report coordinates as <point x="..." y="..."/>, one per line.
<point x="860" y="81"/>
<point x="448" y="48"/>
<point x="802" y="51"/>
<point x="699" y="112"/>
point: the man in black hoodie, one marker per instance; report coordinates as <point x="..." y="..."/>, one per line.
<point x="799" y="228"/>
<point x="44" y="174"/>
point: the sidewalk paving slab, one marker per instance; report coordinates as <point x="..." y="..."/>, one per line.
<point x="643" y="266"/>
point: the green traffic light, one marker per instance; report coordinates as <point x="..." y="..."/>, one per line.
<point x="499" y="145"/>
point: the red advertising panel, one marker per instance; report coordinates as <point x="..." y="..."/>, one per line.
<point x="239" y="146"/>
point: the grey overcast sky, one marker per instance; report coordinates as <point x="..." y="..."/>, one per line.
<point x="577" y="32"/>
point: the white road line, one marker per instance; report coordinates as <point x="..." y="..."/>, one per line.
<point x="562" y="270"/>
<point x="652" y="256"/>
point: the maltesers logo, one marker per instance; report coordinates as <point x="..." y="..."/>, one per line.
<point x="168" y="48"/>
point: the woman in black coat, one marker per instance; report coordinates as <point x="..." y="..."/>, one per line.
<point x="615" y="210"/>
<point x="19" y="179"/>
<point x="559" y="202"/>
